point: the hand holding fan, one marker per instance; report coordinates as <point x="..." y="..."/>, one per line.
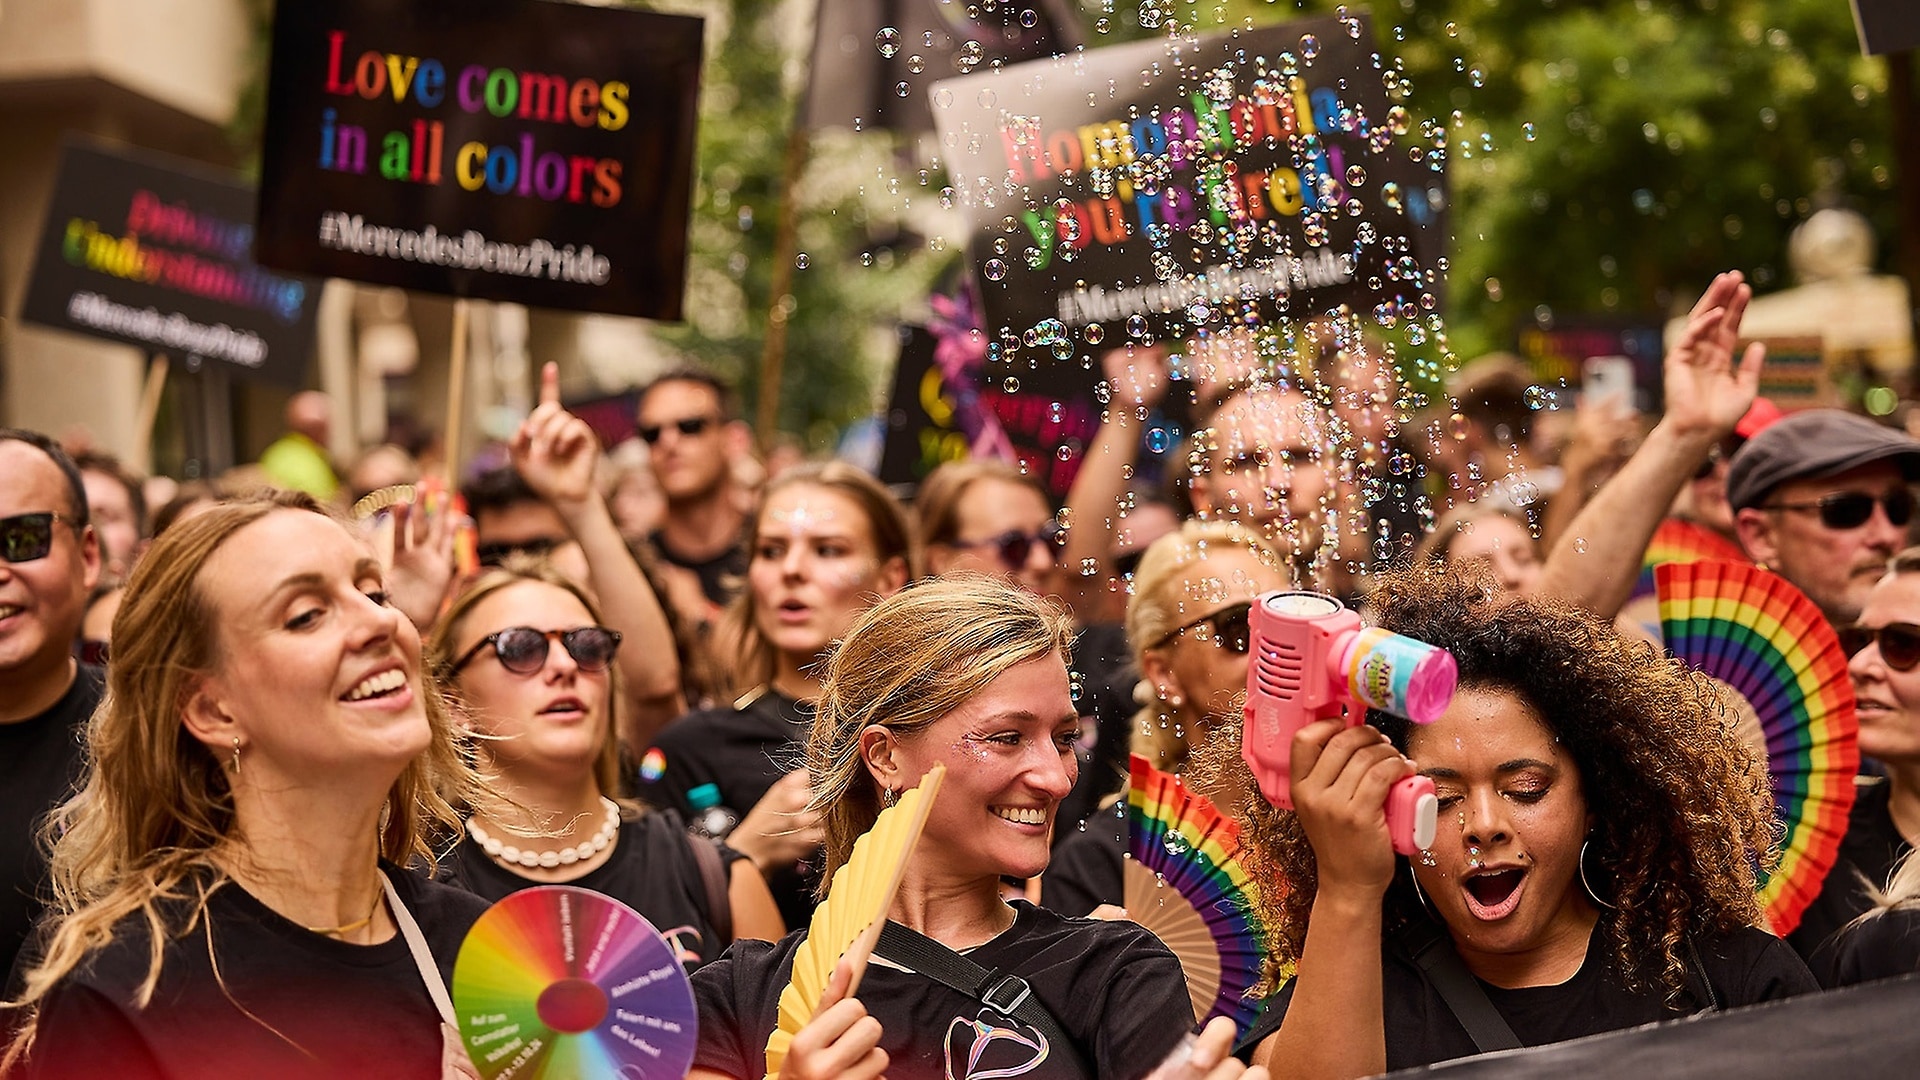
<point x="1186" y="883"/>
<point x="849" y="920"/>
<point x="1765" y="639"/>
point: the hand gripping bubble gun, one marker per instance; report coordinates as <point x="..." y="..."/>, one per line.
<point x="1310" y="660"/>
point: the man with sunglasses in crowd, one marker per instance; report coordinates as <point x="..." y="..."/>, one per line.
<point x="1824" y="499"/>
<point x="686" y="420"/>
<point x="49" y="562"/>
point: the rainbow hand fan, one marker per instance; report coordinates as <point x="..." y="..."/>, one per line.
<point x="557" y="981"/>
<point x="1186" y="883"/>
<point x="1680" y="541"/>
<point x="849" y="920"/>
<point x="1763" y="637"/>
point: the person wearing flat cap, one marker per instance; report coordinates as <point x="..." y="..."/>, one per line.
<point x="1823" y="498"/>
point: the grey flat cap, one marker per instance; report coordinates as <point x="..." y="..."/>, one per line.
<point x="1813" y="443"/>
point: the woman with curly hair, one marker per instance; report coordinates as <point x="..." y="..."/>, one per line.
<point x="1599" y="824"/>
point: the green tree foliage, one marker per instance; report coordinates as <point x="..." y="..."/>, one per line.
<point x="1607" y="157"/>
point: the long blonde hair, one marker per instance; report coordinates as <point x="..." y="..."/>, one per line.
<point x="1155" y="609"/>
<point x="517" y="570"/>
<point x="908" y="661"/>
<point x="156" y="808"/>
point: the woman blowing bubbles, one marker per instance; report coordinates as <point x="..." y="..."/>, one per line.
<point x="1598" y="825"/>
<point x="968" y="673"/>
<point x="228" y="902"/>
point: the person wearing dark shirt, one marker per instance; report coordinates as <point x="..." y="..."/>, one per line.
<point x="49" y="562"/>
<point x="256" y="822"/>
<point x="828" y="541"/>
<point x="1593" y="867"/>
<point x="1884" y="660"/>
<point x="966" y="674"/>
<point x="524" y="656"/>
<point x="686" y="419"/>
<point x="1188" y="618"/>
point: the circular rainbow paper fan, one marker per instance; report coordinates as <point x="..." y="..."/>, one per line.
<point x="559" y="982"/>
<point x="1185" y="881"/>
<point x="1758" y="634"/>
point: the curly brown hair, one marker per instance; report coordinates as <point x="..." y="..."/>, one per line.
<point x="1682" y="807"/>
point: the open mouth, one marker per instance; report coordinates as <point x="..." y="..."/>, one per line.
<point x="565" y="706"/>
<point x="1493" y="894"/>
<point x="385" y="684"/>
<point x="8" y="611"/>
<point x="1021" y="815"/>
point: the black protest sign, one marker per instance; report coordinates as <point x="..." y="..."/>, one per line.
<point x="1887" y="26"/>
<point x="517" y="150"/>
<point x="1172" y="188"/>
<point x="921" y="429"/>
<point x="157" y="252"/>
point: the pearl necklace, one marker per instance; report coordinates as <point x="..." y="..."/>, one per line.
<point x="547" y="860"/>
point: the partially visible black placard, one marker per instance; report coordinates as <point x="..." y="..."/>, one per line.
<point x="921" y="429"/>
<point x="1887" y="26"/>
<point x="517" y="150"/>
<point x="157" y="252"/>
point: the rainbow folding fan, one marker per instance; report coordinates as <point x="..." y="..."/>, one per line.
<point x="1680" y="541"/>
<point x="1186" y="883"/>
<point x="849" y="920"/>
<point x="1753" y="631"/>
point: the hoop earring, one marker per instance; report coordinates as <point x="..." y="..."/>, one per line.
<point x="236" y="755"/>
<point x="1584" y="883"/>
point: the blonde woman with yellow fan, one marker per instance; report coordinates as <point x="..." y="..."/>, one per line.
<point x="968" y="673"/>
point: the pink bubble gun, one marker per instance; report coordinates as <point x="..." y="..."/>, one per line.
<point x="1311" y="660"/>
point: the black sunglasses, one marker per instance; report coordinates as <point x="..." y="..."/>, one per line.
<point x="1852" y="509"/>
<point x="1230" y="626"/>
<point x="1720" y="453"/>
<point x="1899" y="643"/>
<point x="523" y="650"/>
<point x="1014" y="547"/>
<point x="26" y="537"/>
<point x="691" y="426"/>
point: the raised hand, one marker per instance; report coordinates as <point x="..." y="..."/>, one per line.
<point x="1207" y="1057"/>
<point x="1340" y="781"/>
<point x="1136" y="377"/>
<point x="1707" y="392"/>
<point x="423" y="571"/>
<point x="554" y="450"/>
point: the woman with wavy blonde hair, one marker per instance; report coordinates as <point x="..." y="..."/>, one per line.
<point x="1593" y="870"/>
<point x="968" y="673"/>
<point x="1187" y="622"/>
<point x="230" y="897"/>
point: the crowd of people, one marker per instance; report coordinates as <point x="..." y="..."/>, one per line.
<point x="265" y="762"/>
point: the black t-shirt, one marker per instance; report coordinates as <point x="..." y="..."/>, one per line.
<point x="652" y="870"/>
<point x="1104" y="677"/>
<point x="1882" y="945"/>
<point x="1867" y="854"/>
<point x="742" y="752"/>
<point x="1086" y="868"/>
<point x="1743" y="968"/>
<point x="720" y="577"/>
<point x="1111" y="986"/>
<point x="285" y="1003"/>
<point x="40" y="762"/>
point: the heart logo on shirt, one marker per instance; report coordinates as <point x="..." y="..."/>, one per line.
<point x="989" y="1050"/>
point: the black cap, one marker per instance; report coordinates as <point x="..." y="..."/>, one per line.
<point x="1813" y="443"/>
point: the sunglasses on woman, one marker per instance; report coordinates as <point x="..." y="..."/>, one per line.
<point x="1851" y="509"/>
<point x="1899" y="643"/>
<point x="1229" y="628"/>
<point x="26" y="537"/>
<point x="1014" y="547"/>
<point x="523" y="650"/>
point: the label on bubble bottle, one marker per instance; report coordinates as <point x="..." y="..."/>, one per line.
<point x="1400" y="675"/>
